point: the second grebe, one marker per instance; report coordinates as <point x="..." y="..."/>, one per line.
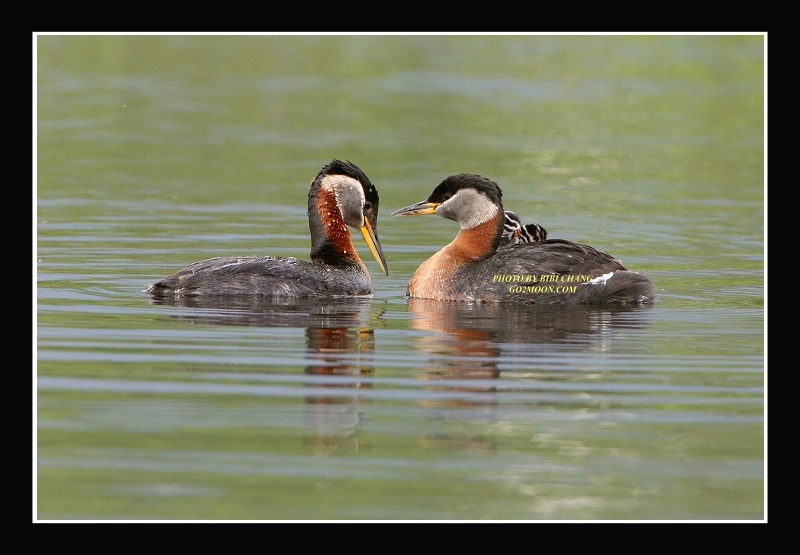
<point x="473" y="268"/>
<point x="514" y="232"/>
<point x="341" y="195"/>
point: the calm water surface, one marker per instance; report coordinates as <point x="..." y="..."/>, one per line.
<point x="157" y="151"/>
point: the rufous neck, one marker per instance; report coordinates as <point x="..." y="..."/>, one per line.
<point x="330" y="237"/>
<point x="478" y="242"/>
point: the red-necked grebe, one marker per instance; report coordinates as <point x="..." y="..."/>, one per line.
<point x="341" y="195"/>
<point x="473" y="268"/>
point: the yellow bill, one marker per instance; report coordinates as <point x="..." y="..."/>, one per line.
<point x="417" y="209"/>
<point x="371" y="239"/>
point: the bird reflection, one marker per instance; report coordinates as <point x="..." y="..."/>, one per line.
<point x="469" y="341"/>
<point x="499" y="323"/>
<point x="275" y="312"/>
<point x="335" y="418"/>
<point x="471" y="338"/>
<point x="339" y="343"/>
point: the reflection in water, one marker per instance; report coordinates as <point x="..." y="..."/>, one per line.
<point x="273" y="312"/>
<point x="471" y="337"/>
<point x="467" y="350"/>
<point x="470" y="340"/>
<point x="510" y="323"/>
<point x="339" y="342"/>
<point x="338" y="351"/>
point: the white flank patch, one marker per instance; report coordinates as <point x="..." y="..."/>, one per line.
<point x="602" y="279"/>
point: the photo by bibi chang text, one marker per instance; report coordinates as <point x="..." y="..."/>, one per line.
<point x="546" y="278"/>
<point x="555" y="280"/>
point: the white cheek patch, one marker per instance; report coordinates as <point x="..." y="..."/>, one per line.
<point x="602" y="279"/>
<point x="469" y="208"/>
<point x="484" y="213"/>
<point x="349" y="197"/>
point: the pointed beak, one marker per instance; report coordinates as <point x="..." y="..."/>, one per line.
<point x="371" y="239"/>
<point x="417" y="209"/>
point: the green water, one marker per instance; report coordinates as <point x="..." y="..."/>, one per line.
<point x="157" y="151"/>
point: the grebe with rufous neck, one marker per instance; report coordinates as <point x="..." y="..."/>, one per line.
<point x="341" y="195"/>
<point x="473" y="268"/>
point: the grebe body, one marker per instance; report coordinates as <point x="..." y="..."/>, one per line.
<point x="479" y="265"/>
<point x="341" y="195"/>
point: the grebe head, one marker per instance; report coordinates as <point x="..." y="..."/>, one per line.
<point x="512" y="225"/>
<point x="466" y="198"/>
<point x="357" y="200"/>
